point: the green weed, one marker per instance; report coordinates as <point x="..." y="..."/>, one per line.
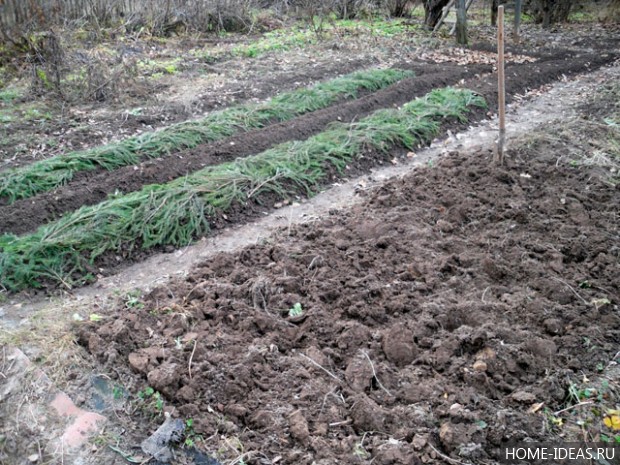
<point x="154" y="67"/>
<point x="35" y="114"/>
<point x="171" y="69"/>
<point x="296" y="310"/>
<point x="191" y="437"/>
<point x="6" y="118"/>
<point x="43" y="79"/>
<point x="133" y="299"/>
<point x="152" y="401"/>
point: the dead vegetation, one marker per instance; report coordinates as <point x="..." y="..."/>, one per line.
<point x="590" y="139"/>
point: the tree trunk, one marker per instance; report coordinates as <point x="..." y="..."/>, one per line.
<point x="461" y="22"/>
<point x="517" y="25"/>
<point x="432" y="11"/>
<point x="494" y="5"/>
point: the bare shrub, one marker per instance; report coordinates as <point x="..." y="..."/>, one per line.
<point x="341" y="9"/>
<point x="611" y="12"/>
<point x="46" y="56"/>
<point x="348" y="9"/>
<point x="548" y="12"/>
<point x="80" y="76"/>
<point x="315" y="13"/>
<point x="158" y="16"/>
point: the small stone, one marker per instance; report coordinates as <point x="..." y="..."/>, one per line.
<point x="523" y="397"/>
<point x="419" y="441"/>
<point x="480" y="366"/>
<point x="446" y="433"/>
<point x="33" y="458"/>
<point x="455" y="407"/>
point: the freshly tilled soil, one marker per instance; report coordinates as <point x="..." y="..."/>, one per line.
<point x="435" y="315"/>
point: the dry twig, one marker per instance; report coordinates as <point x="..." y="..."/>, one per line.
<point x="320" y="367"/>
<point x="191" y="357"/>
<point x="446" y="458"/>
<point x="374" y="374"/>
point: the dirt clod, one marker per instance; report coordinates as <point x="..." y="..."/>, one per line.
<point x="298" y="427"/>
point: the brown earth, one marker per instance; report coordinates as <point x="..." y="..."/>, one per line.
<point x="89" y="188"/>
<point x="436" y="317"/>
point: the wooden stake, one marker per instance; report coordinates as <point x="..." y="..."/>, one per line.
<point x="501" y="86"/>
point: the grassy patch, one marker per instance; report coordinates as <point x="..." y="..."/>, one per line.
<point x="180" y="211"/>
<point x="9" y="94"/>
<point x="301" y="36"/>
<point x="6" y="117"/>
<point x="584" y="15"/>
<point x="24" y="112"/>
<point x="47" y="174"/>
<point x="159" y="67"/>
<point x="277" y="40"/>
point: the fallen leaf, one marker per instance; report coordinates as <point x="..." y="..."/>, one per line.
<point x="612" y="422"/>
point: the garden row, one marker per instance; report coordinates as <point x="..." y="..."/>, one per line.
<point x="74" y="248"/>
<point x="89" y="187"/>
<point x="180" y="211"/>
<point x="50" y="173"/>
